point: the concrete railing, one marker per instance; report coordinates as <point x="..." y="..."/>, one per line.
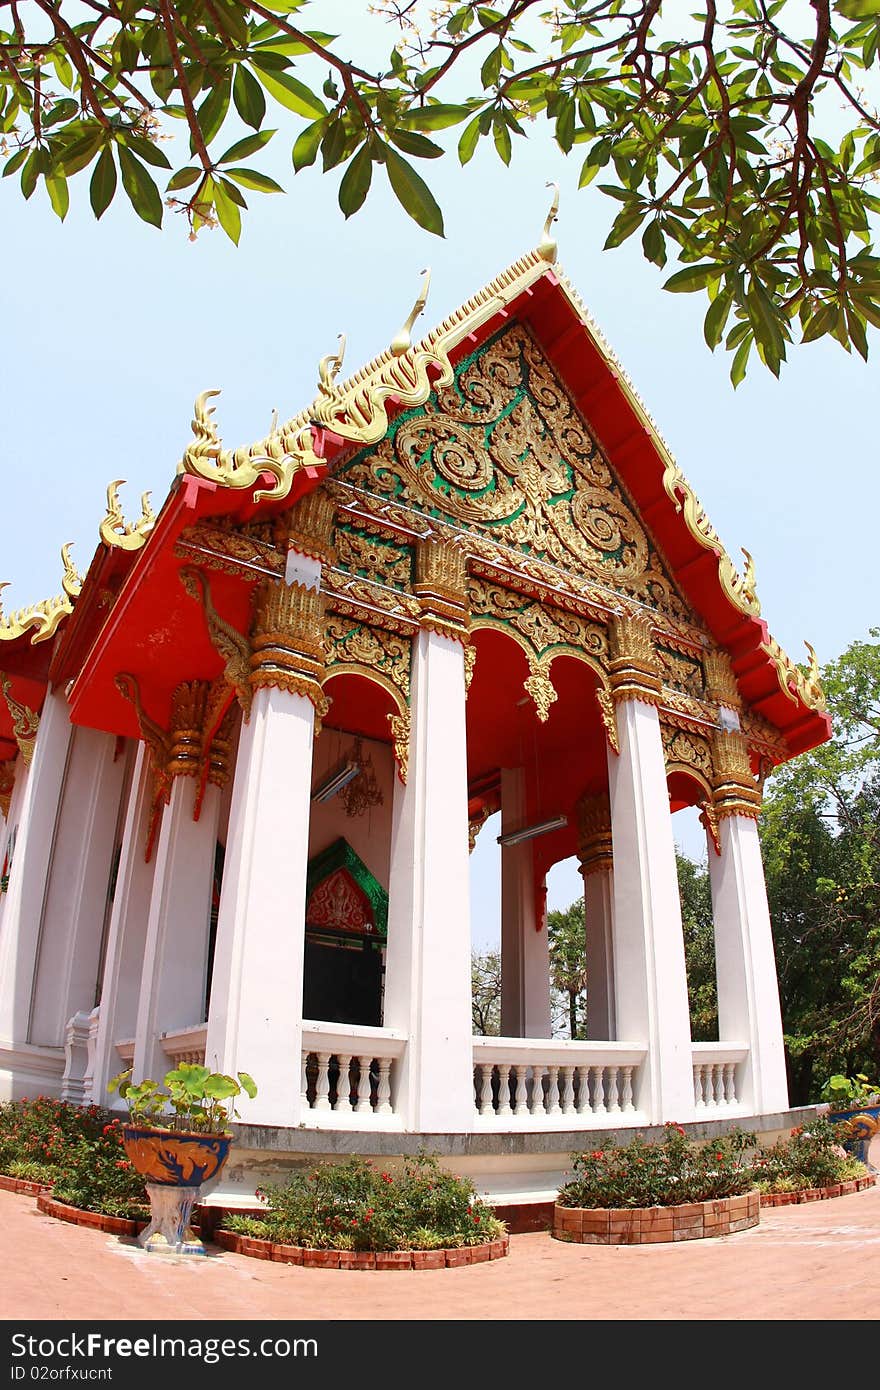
<point x="522" y="1083"/>
<point x="185" y="1045"/>
<point x="349" y="1075"/>
<point x="718" y="1076"/>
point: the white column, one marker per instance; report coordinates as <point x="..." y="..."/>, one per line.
<point x="35" y="814"/>
<point x="598" y="921"/>
<point x="175" y="958"/>
<point x="525" y="956"/>
<point x="127" y="934"/>
<point x="255" y="1018"/>
<point x="69" y="947"/>
<point x="651" y="999"/>
<point x="428" y="962"/>
<point x="748" y="993"/>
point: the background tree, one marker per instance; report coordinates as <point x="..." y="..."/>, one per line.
<point x="821" y="846"/>
<point x="568" y="972"/>
<point x="486" y="993"/>
<point x="743" y="138"/>
<point x="699" y="947"/>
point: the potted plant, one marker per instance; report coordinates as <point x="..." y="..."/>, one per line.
<point x="855" y="1109"/>
<point x="178" y="1139"/>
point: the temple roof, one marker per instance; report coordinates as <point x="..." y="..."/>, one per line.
<point x="133" y="585"/>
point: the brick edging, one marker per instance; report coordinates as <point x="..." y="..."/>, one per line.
<point x="23" y="1185"/>
<point x="361" y="1259"/>
<point x="817" y="1194"/>
<point x="97" y="1221"/>
<point x="650" y="1225"/>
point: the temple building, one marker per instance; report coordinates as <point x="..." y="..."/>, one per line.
<point x="243" y="761"/>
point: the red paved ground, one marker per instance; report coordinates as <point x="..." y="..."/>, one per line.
<point x="816" y="1261"/>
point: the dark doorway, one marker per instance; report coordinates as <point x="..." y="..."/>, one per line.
<point x="342" y="980"/>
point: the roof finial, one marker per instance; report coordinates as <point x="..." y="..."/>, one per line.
<point x="547" y="247"/>
<point x="328" y="367"/>
<point x="71" y="581"/>
<point x="273" y="428"/>
<point x="402" y="340"/>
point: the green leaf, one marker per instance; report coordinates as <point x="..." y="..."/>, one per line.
<point x="356" y="182"/>
<point x="103" y="184"/>
<point x="654" y="243"/>
<point x="857" y="9"/>
<point x="250" y="102"/>
<point x="248" y="1085"/>
<point x="147" y="151"/>
<point x="413" y="193"/>
<point x="436" y="117"/>
<point x="502" y="141"/>
<point x="625" y="223"/>
<point x="412" y="143"/>
<point x="250" y="178"/>
<point x="468" y="142"/>
<point x="716" y="319"/>
<point x="228" y="214"/>
<point x="15" y="162"/>
<point x="184" y="178"/>
<point x="59" y="194"/>
<point x="291" y="93"/>
<point x="249" y="145"/>
<point x="305" y="150"/>
<point x="738" y="369"/>
<point x="212" y="112"/>
<point x="693" y="277"/>
<point x="142" y="192"/>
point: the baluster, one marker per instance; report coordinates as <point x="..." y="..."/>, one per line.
<point x="305" y="1081"/>
<point x="583" y="1090"/>
<point x="627" y="1088"/>
<point x="383" y="1093"/>
<point x="698" y="1087"/>
<point x="730" y="1083"/>
<point x="614" y="1099"/>
<point x="568" y="1090"/>
<point x="485" y="1070"/>
<point x="322" y="1085"/>
<point x="520" y="1106"/>
<point x="343" y="1085"/>
<point x="537" y="1105"/>
<point x="718" y="1083"/>
<point x="363" y="1106"/>
<point x="504" y="1089"/>
<point x="597" y="1078"/>
<point x="553" y="1107"/>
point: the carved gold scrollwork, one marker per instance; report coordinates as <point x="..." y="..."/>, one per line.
<point x="634" y="666"/>
<point x="231" y="645"/>
<point x="287" y="643"/>
<point x="282" y="454"/>
<point x="475" y="825"/>
<point x="25" y="723"/>
<point x="158" y="748"/>
<point x="247" y="551"/>
<point x="115" y="531"/>
<point x="379" y="561"/>
<point x="311" y="525"/>
<point x="441" y="587"/>
<point x="400" y="729"/>
<point x="539" y="685"/>
<point x="721" y="683"/>
<point x="709" y="822"/>
<point x="687" y="751"/>
<point x="470" y="661"/>
<point x="736" y="791"/>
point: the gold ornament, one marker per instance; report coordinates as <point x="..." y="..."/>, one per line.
<point x="7" y="783"/>
<point x="282" y="454"/>
<point x="470" y="661"/>
<point x="363" y="791"/>
<point x="539" y="685"/>
<point x="115" y="531"/>
<point x="709" y="822"/>
<point x="547" y="248"/>
<point x="400" y="732"/>
<point x="189" y="705"/>
<point x="402" y="340"/>
<point x="595" y="850"/>
<point x="475" y="825"/>
<point x="634" y="666"/>
<point x="248" y="552"/>
<point x="311" y="526"/>
<point x="25" y="723"/>
<point x="231" y="645"/>
<point x="721" y="683"/>
<point x="736" y="791"/>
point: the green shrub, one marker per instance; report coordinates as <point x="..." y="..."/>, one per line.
<point x="354" y="1206"/>
<point x="39" y="1134"/>
<point x="809" y="1157"/>
<point x="645" y="1174"/>
<point x="97" y="1176"/>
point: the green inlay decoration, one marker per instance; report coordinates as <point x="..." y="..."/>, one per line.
<point x="340" y="855"/>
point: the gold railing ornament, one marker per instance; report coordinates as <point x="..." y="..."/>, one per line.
<point x="402" y="340"/>
<point x="547" y="247"/>
<point x="115" y="531"/>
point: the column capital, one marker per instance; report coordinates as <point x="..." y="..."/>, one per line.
<point x="634" y="668"/>
<point x="721" y="686"/>
<point x="594" y="833"/>
<point x="287" y="641"/>
<point x="441" y="587"/>
<point x="736" y="792"/>
<point x="189" y="705"/>
<point x="311" y="526"/>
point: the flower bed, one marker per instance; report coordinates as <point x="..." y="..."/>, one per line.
<point x="353" y="1209"/>
<point x="810" y="1159"/>
<point x="36" y="1136"/>
<point x="650" y="1225"/>
<point x="362" y="1259"/>
<point x="817" y="1194"/>
<point x="95" y="1220"/>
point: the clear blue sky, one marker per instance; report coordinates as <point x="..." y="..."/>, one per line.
<point x="110" y="330"/>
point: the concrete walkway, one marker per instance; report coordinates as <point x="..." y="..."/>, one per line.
<point x="816" y="1261"/>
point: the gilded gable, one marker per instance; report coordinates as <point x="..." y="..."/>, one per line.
<point x="503" y="450"/>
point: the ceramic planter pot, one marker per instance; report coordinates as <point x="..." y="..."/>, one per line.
<point x="857" y="1128"/>
<point x="174" y="1165"/>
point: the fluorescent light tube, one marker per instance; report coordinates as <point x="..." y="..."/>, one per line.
<point x="529" y="832"/>
<point x="335" y="782"/>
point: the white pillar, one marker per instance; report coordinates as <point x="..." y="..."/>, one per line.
<point x="175" y="958"/>
<point x="525" y="956"/>
<point x="748" y="993"/>
<point x="127" y="934"/>
<point x="33" y="816"/>
<point x="68" y="956"/>
<point x="651" y="999"/>
<point x="598" y="922"/>
<point x="428" y="961"/>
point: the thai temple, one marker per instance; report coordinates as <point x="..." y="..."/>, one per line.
<point x="244" y="760"/>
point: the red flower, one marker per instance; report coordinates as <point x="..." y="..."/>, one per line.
<point x="386" y="1177"/>
<point x="598" y="1153"/>
<point x="122" y="1163"/>
<point x="720" y="1157"/>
